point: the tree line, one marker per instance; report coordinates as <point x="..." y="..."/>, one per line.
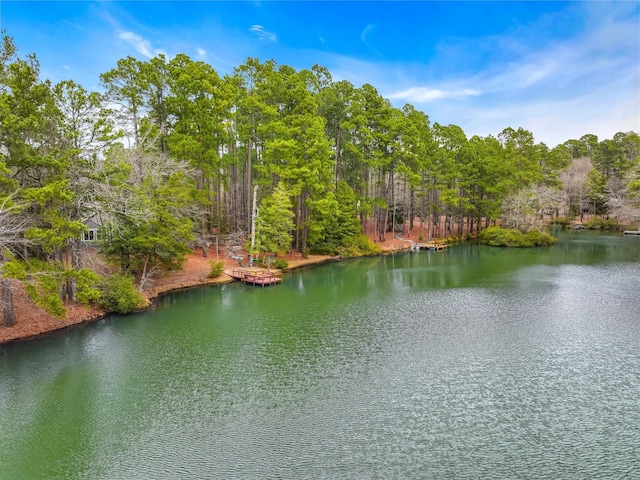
<point x="170" y="155"/>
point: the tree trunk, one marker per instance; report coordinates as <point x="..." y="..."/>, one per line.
<point x="203" y="213"/>
<point x="249" y="192"/>
<point x="76" y="264"/>
<point x="6" y="301"/>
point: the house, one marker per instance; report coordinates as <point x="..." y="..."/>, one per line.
<point x="90" y="235"/>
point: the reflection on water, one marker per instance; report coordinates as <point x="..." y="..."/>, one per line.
<point x="472" y="363"/>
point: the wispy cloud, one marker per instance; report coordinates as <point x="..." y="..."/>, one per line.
<point x="201" y="53"/>
<point x="365" y="33"/>
<point x="426" y="94"/>
<point x="555" y="89"/>
<point x="364" y="36"/>
<point x="262" y="34"/>
<point x="141" y="45"/>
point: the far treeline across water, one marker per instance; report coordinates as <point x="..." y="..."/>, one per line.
<point x="171" y="155"/>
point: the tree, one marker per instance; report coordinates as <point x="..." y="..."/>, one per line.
<point x="147" y="211"/>
<point x="12" y="228"/>
<point x="86" y="130"/>
<point x="522" y="158"/>
<point x="125" y="88"/>
<point x="274" y="222"/>
<point x="200" y="108"/>
<point x="452" y="162"/>
<point x="296" y="151"/>
<point x="574" y="180"/>
<point x="35" y="155"/>
<point x="254" y="107"/>
<point x="596" y="190"/>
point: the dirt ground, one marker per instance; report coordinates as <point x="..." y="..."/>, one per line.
<point x="32" y="321"/>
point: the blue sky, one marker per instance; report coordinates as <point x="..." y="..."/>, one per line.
<point x="558" y="69"/>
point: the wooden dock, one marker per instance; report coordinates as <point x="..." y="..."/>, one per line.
<point x="438" y="247"/>
<point x="254" y="276"/>
<point x="631" y="232"/>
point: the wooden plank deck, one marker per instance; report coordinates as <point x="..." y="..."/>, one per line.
<point x="254" y="276"/>
<point x="438" y="247"/>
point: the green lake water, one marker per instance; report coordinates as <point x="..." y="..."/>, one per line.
<point x="474" y="363"/>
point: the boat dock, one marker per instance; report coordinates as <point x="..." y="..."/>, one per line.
<point x="254" y="276"/>
<point x="438" y="247"/>
<point x="631" y="232"/>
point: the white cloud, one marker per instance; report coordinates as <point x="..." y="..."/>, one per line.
<point x="141" y="45"/>
<point x="425" y="94"/>
<point x="263" y="34"/>
<point x="201" y="53"/>
<point x="365" y="33"/>
<point x="559" y="89"/>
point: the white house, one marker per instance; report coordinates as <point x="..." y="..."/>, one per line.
<point x="90" y="235"/>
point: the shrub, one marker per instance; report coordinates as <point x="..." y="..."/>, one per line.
<point x="598" y="223"/>
<point x="357" y="246"/>
<point x="119" y="294"/>
<point x="215" y="269"/>
<point x="366" y="246"/>
<point x="506" y="237"/>
<point x="281" y="263"/>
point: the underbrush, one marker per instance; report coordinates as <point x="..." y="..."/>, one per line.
<point x="119" y="294"/>
<point x="598" y="223"/>
<point x="505" y="237"/>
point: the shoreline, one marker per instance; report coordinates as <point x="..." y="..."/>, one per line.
<point x="79" y="315"/>
<point x="33" y="322"/>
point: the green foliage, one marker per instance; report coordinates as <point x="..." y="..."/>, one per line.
<point x="14" y="268"/>
<point x="260" y="262"/>
<point x="506" y="237"/>
<point x="281" y="264"/>
<point x="216" y="269"/>
<point x="42" y="283"/>
<point x="275" y="222"/>
<point x="324" y="152"/>
<point x="596" y="190"/>
<point x="119" y="294"/>
<point x="599" y="223"/>
<point x="51" y="303"/>
<point x="562" y="222"/>
<point x="149" y="226"/>
<point x="342" y="233"/>
<point x="358" y="246"/>
<point x="86" y="285"/>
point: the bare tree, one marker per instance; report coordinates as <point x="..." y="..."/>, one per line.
<point x="12" y="228"/>
<point x="623" y="202"/>
<point x="575" y="180"/>
<point x="519" y="210"/>
<point x="234" y="246"/>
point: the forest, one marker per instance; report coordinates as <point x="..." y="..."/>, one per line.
<point x="170" y="155"/>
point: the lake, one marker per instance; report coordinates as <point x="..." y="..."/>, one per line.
<point x="475" y="362"/>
